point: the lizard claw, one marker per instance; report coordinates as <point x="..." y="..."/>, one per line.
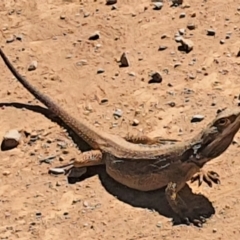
<point x="196" y="221"/>
<point x="208" y="177"/>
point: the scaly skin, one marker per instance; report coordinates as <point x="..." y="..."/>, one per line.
<point x="142" y="164"/>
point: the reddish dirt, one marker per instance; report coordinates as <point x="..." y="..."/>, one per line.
<point x="36" y="205"/>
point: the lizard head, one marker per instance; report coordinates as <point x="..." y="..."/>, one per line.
<point x="217" y="137"/>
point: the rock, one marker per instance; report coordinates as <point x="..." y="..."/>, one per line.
<point x="82" y="62"/>
<point x="132" y="74"/>
<point x="111" y="2"/>
<point x="94" y="36"/>
<point x="103" y="100"/>
<point x="181" y="31"/>
<point x="118" y="113"/>
<point x="11" y="139"/>
<point x="6" y="173"/>
<point x="177" y="2"/>
<point x="187" y="45"/>
<point x="124" y="60"/>
<point x="162" y="48"/>
<point x="238" y="54"/>
<point x="114" y="7"/>
<point x="211" y="32"/>
<point x="228" y="35"/>
<point x="62" y="17"/>
<point x="135" y="122"/>
<point x="193" y="15"/>
<point x="86" y="14"/>
<point x="171" y="104"/>
<point x="100" y="70"/>
<point x="177" y="64"/>
<point x="182" y="15"/>
<point x="85" y="204"/>
<point x="222" y="41"/>
<point x="156" y="78"/>
<point x="197" y="118"/>
<point x="191" y="26"/>
<point x="10" y="39"/>
<point x="32" y="66"/>
<point x="157" y="5"/>
<point x="19" y="37"/>
<point x="178" y="39"/>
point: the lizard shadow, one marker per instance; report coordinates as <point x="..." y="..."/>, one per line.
<point x="48" y="114"/>
<point x="153" y="200"/>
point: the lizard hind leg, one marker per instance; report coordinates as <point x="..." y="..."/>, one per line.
<point x="86" y="159"/>
<point x="143" y="139"/>
<point x="179" y="206"/>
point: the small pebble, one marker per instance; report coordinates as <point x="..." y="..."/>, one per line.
<point x="156" y="78"/>
<point x="162" y="48"/>
<point x="211" y="32"/>
<point x="114" y="7"/>
<point x="110" y="2"/>
<point x="178" y="38"/>
<point x="177" y="2"/>
<point x="118" y="113"/>
<point x="82" y="62"/>
<point x="94" y="36"/>
<point x="197" y="118"/>
<point x="6" y="173"/>
<point x="228" y="35"/>
<point x="177" y="64"/>
<point x="191" y="26"/>
<point x="19" y="37"/>
<point x="238" y="54"/>
<point x="10" y="39"/>
<point x="100" y="70"/>
<point x="132" y="74"/>
<point x="32" y="66"/>
<point x="159" y="224"/>
<point x="182" y="15"/>
<point x="171" y="104"/>
<point x="157" y="5"/>
<point x="222" y="41"/>
<point x="181" y="31"/>
<point x="86" y="14"/>
<point x="124" y="60"/>
<point x="58" y="184"/>
<point x="103" y="100"/>
<point x="62" y="17"/>
<point x="135" y="122"/>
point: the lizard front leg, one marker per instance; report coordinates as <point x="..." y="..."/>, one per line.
<point x="179" y="206"/>
<point x="208" y="177"/>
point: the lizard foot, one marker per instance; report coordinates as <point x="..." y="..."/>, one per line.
<point x="197" y="221"/>
<point x="208" y="177"/>
<point x="181" y="209"/>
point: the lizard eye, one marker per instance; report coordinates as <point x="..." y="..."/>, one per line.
<point x="222" y="121"/>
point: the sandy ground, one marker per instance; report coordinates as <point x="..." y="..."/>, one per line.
<point x="36" y="205"/>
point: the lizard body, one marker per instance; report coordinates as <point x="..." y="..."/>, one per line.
<point x="142" y="164"/>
